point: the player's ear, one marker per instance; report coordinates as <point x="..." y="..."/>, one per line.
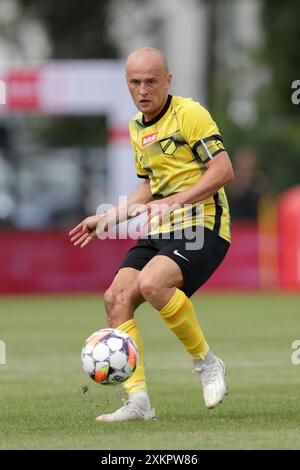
<point x="169" y="79"/>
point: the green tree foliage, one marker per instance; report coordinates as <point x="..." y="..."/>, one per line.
<point x="276" y="133"/>
<point x="281" y="24"/>
<point x="279" y="117"/>
<point x="76" y="29"/>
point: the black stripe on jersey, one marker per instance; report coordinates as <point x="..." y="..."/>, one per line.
<point x="146" y="177"/>
<point x="213" y="137"/>
<point x="219" y="212"/>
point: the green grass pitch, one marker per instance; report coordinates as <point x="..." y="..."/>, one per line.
<point x="42" y="399"/>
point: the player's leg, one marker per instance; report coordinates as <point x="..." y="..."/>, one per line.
<point x="161" y="283"/>
<point x="122" y="297"/>
<point x="167" y="282"/>
<point x="121" y="301"/>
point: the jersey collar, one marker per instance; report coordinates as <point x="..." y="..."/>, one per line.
<point x="160" y="115"/>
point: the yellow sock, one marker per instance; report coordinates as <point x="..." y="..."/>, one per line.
<point x="180" y="316"/>
<point x="137" y="382"/>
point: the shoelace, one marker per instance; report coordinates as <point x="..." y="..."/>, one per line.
<point x="207" y="373"/>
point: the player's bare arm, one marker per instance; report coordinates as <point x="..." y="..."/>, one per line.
<point x="218" y="172"/>
<point x="87" y="230"/>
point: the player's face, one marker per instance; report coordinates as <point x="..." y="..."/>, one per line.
<point x="149" y="86"/>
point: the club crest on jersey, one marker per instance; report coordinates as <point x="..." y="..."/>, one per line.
<point x="149" y="139"/>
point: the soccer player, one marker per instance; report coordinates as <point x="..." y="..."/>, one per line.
<point x="181" y="158"/>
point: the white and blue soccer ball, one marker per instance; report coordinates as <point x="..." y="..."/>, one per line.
<point x="109" y="356"/>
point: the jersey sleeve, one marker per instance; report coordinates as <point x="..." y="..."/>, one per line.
<point x="201" y="132"/>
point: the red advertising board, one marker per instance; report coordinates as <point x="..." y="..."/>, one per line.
<point x="46" y="262"/>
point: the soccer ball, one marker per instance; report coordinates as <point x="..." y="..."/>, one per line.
<point x="109" y="356"/>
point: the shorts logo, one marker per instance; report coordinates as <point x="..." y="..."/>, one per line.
<point x="176" y="252"/>
<point x="148" y="139"/>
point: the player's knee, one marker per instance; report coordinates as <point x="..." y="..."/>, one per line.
<point x="111" y="306"/>
<point x="113" y="297"/>
<point x="118" y="300"/>
<point x="108" y="298"/>
<point x="148" y="286"/>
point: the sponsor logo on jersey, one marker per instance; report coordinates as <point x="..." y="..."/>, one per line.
<point x="149" y="139"/>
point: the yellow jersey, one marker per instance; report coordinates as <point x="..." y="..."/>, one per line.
<point x="172" y="150"/>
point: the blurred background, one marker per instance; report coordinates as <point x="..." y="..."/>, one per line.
<point x="64" y="142"/>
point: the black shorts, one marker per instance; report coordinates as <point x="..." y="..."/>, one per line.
<point x="196" y="265"/>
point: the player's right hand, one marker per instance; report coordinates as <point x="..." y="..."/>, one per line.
<point x="88" y="229"/>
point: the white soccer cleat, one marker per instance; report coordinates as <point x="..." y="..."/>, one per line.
<point x="130" y="411"/>
<point x="212" y="377"/>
